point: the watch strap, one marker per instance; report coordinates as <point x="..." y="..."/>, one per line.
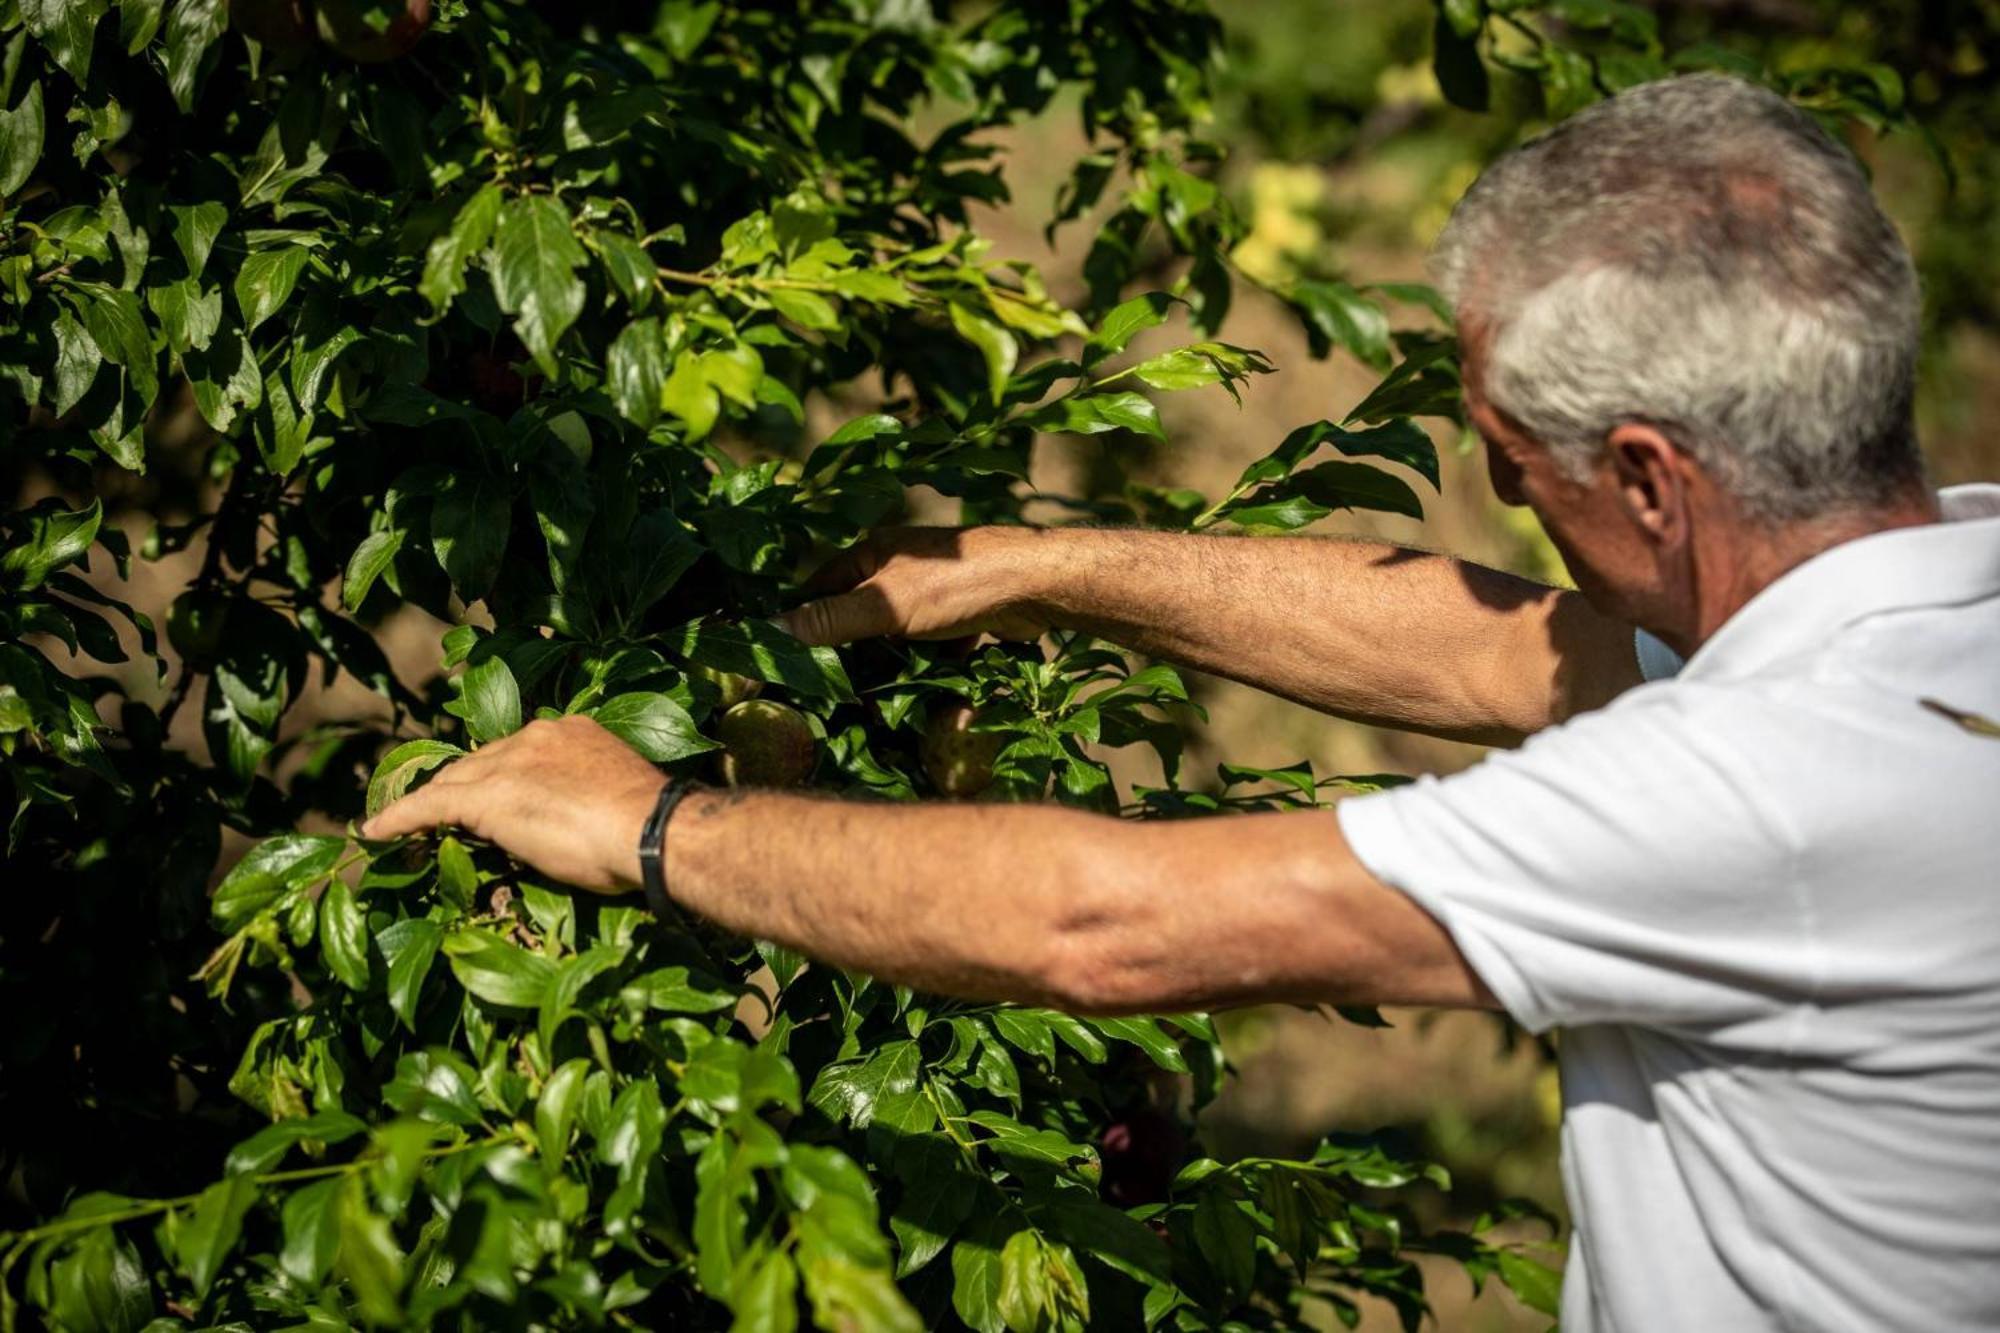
<point x="652" y="850"/>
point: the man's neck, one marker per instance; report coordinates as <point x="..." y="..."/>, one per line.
<point x="1743" y="559"/>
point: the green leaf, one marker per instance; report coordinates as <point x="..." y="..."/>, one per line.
<point x="192" y="29"/>
<point x="1111" y="1236"/>
<point x="195" y="228"/>
<point x="101" y="1285"/>
<point x="77" y="362"/>
<point x="1227" y="1240"/>
<point x="267" y="1147"/>
<point x="1126" y="322"/>
<point x="1465" y="16"/>
<point x="288" y="861"/>
<point x="1098" y="413"/>
<point x="343" y="935"/>
<point x="457" y="877"/>
<point x="762" y="651"/>
<point x="995" y="344"/>
<point x="67" y="28"/>
<point x="55" y="537"/>
<point x="933" y="1204"/>
<point x="498" y="972"/>
<point x="112" y="316"/>
<point x="139" y="22"/>
<point x="1337" y="315"/>
<point x="311" y="1221"/>
<point x="655" y="725"/>
<point x="408" y="947"/>
<point x="401" y="766"/>
<point x="469" y="531"/>
<point x="555" y="1109"/>
<point x="188" y="315"/>
<point x="369" y="1258"/>
<point x="225" y="378"/>
<point x="21" y="132"/>
<point x="1461" y="74"/>
<point x="1144" y="1033"/>
<point x="203" y="1239"/>
<point x="265" y="282"/>
<point x="636" y="371"/>
<point x="689" y="396"/>
<point x="470" y="232"/>
<point x="1538" y="1286"/>
<point x="976" y="1278"/>
<point x="375" y="554"/>
<point x="628" y="269"/>
<point x="534" y="262"/>
<point x="678" y="990"/>
<point x="489" y="700"/>
<point x="767" y="1297"/>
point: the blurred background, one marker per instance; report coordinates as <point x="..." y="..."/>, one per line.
<point x="1343" y="159"/>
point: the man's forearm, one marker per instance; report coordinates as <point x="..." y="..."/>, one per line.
<point x="1048" y="906"/>
<point x="1365" y="630"/>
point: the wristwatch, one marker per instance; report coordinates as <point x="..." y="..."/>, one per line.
<point x="652" y="850"/>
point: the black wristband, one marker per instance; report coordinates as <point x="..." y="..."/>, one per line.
<point x="652" y="850"/>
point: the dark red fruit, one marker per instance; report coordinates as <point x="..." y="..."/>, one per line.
<point x="1142" y="1152"/>
<point x="496" y="386"/>
<point x="765" y="744"/>
<point x="344" y="25"/>
<point x="282" y="25"/>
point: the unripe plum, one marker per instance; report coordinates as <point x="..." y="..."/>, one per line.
<point x="765" y="744"/>
<point x="958" y="760"/>
<point x="195" y="624"/>
<point x="730" y="688"/>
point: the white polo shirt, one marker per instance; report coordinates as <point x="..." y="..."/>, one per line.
<point x="1762" y="899"/>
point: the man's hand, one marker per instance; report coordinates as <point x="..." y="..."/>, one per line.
<point x="925" y="583"/>
<point x="566" y="796"/>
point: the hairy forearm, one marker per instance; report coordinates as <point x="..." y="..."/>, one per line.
<point x="1365" y="630"/>
<point x="1049" y="906"/>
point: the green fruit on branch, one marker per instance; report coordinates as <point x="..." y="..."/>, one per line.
<point x="283" y="25"/>
<point x="730" y="688"/>
<point x="957" y="759"/>
<point x="195" y="625"/>
<point x="351" y="27"/>
<point x="765" y="744"/>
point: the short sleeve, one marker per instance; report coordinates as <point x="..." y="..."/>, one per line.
<point x="1620" y="868"/>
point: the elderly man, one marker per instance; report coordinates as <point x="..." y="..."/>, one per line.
<point x="1759" y="894"/>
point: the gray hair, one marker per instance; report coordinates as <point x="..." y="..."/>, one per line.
<point x="1697" y="254"/>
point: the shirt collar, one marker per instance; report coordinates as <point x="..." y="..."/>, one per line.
<point x="1937" y="564"/>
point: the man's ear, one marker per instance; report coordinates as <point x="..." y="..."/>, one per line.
<point x="1652" y="481"/>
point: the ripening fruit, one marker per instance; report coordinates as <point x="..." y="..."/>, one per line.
<point x="344" y="26"/>
<point x="1142" y="1152"/>
<point x="282" y="25"/>
<point x="957" y="759"/>
<point x="195" y="623"/>
<point x="730" y="688"/>
<point x="765" y="744"/>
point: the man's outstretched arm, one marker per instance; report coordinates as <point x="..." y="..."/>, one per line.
<point x="1363" y="630"/>
<point x="1029" y="903"/>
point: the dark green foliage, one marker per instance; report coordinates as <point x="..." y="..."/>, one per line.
<point x="488" y="330"/>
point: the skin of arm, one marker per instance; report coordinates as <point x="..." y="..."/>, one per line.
<point x="1102" y="916"/>
<point x="1364" y="630"/>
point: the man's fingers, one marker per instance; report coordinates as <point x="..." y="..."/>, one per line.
<point x="862" y="614"/>
<point x="421" y="810"/>
<point x="841" y="573"/>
